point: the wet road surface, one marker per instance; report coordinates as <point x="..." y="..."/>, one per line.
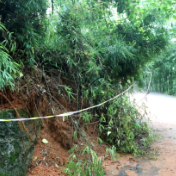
<point x="162" y="113"/>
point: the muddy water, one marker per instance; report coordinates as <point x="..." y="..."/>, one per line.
<point x="162" y="113"/>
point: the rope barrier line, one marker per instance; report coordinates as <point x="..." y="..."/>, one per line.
<point x="67" y="113"/>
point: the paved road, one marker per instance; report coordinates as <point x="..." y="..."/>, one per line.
<point x="162" y="112"/>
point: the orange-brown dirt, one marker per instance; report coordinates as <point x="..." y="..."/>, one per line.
<point x="49" y="159"/>
<point x="38" y="93"/>
<point x="44" y="96"/>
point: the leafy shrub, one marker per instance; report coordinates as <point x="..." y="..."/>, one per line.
<point x="87" y="167"/>
<point x="8" y="68"/>
<point x="123" y="126"/>
<point x="26" y="20"/>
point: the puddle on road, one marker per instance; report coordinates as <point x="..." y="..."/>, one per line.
<point x="162" y="110"/>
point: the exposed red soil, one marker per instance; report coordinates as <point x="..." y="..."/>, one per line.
<point x="44" y="96"/>
<point x="38" y="93"/>
<point x="49" y="158"/>
<point x="42" y="170"/>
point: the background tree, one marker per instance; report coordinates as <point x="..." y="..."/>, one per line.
<point x="163" y="72"/>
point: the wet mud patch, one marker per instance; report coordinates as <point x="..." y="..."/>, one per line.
<point x="137" y="170"/>
<point x="129" y="166"/>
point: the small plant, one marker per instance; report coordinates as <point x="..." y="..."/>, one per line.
<point x="87" y="117"/>
<point x="112" y="153"/>
<point x="8" y="68"/>
<point x="87" y="167"/>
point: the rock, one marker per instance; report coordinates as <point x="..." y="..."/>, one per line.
<point x="44" y="141"/>
<point x="16" y="144"/>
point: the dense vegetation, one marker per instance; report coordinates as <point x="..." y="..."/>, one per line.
<point x="163" y="72"/>
<point x="103" y="46"/>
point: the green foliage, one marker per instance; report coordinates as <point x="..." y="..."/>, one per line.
<point x="91" y="165"/>
<point x="122" y="51"/>
<point x="123" y="127"/>
<point x="87" y="117"/>
<point x="103" y="53"/>
<point x="87" y="167"/>
<point x="25" y="20"/>
<point x="102" y="46"/>
<point x="112" y="153"/>
<point x="163" y="70"/>
<point x="8" y="68"/>
<point x="4" y="174"/>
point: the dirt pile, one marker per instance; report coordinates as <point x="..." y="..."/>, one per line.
<point x="39" y="93"/>
<point x="49" y="158"/>
<point x="45" y="95"/>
